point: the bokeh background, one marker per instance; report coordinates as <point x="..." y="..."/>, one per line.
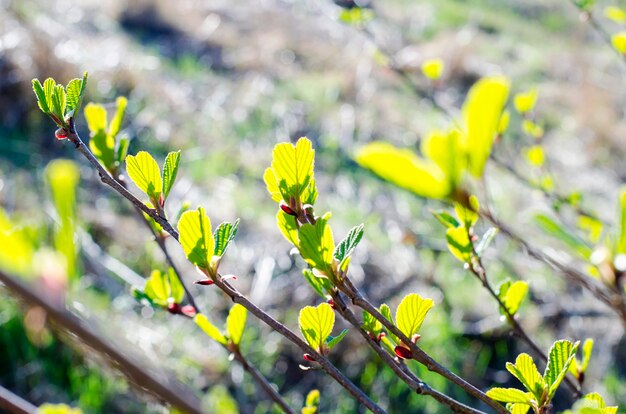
<point x="224" y="81"/>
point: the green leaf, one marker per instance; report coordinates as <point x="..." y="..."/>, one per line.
<point x="550" y="227"/>
<point x="74" y="92"/>
<point x="236" y="322"/>
<point x="512" y="294"/>
<point x="16" y="254"/>
<point x="486" y="240"/>
<point x="210" y="329"/>
<point x="587" y="351"/>
<point x="122" y="149"/>
<point x="347" y="245"/>
<point x="313" y="398"/>
<point x="320" y="284"/>
<point x="446" y="219"/>
<point x="177" y="291"/>
<point x="116" y="122"/>
<point x="293" y="170"/>
<point x="385" y="310"/>
<point x="331" y="341"/>
<point x="170" y="169"/>
<point x="411" y="313"/>
<point x="519" y="408"/>
<point x="101" y="144"/>
<point x="482" y="111"/>
<point x="404" y="169"/>
<point x="48" y="88"/>
<point x="371" y="324"/>
<point x="468" y="215"/>
<point x="224" y="234"/>
<point x="444" y="149"/>
<point x="559" y="359"/>
<point x="196" y="238"/>
<point x="41" y="96"/>
<point x="356" y="15"/>
<point x="288" y="227"/>
<point x="145" y="173"/>
<point x="509" y="395"/>
<point x="526" y="372"/>
<point x="58" y="102"/>
<point x="317" y="244"/>
<point x="157" y="288"/>
<point x="316" y="323"/>
<point x="459" y="243"/>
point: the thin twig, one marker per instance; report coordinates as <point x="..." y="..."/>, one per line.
<point x="14" y="403"/>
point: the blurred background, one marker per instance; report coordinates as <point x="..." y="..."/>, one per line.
<point x="224" y="81"/>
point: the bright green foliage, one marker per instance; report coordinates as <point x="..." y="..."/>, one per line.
<point x="16" y="254"/>
<point x="224" y="234"/>
<point x="525" y="101"/>
<point x="60" y="102"/>
<point x="48" y="408"/>
<point x="411" y="313"/>
<point x="321" y="285"/>
<point x="290" y="177"/>
<point x="615" y="13"/>
<point x="580" y="367"/>
<point x="585" y="5"/>
<point x="312" y="402"/>
<point x="104" y="142"/>
<point x="619" y="42"/>
<point x="385" y="310"/>
<point x="371" y="324"/>
<point x="346" y="247"/>
<point x="317" y="245"/>
<point x="540" y="389"/>
<point x="196" y="238"/>
<point x="481" y="112"/>
<point x="356" y="15"/>
<point x="433" y="68"/>
<point x="512" y="294"/>
<point x="468" y="215"/>
<point x="331" y="341"/>
<point x="552" y="228"/>
<point x="287" y="226"/>
<point x="164" y="288"/>
<point x="170" y="169"/>
<point x="236" y="322"/>
<point x="62" y="177"/>
<point x="145" y="173"/>
<point x="446" y="219"/>
<point x="535" y="156"/>
<point x="316" y="324"/>
<point x="459" y="243"/>
<point x="211" y="330"/>
<point x="595" y="404"/>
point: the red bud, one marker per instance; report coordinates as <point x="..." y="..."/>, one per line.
<point x="331" y="302"/>
<point x="161" y="201"/>
<point x="402" y="352"/>
<point x="173" y="308"/>
<point x="204" y="282"/>
<point x="60" y="133"/>
<point x="188" y="310"/>
<point x="284" y="207"/>
<point x="308" y="357"/>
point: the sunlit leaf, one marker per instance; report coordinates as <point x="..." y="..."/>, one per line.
<point x="559" y="359"/>
<point x="526" y="372"/>
<point x="157" y="288"/>
<point x="615" y="13"/>
<point x="356" y="15"/>
<point x="347" y="245"/>
<point x="293" y="169"/>
<point x="320" y="284"/>
<point x="116" y="122"/>
<point x="535" y="156"/>
<point x="554" y="229"/>
<point x="41" y="96"/>
<point x="459" y="243"/>
<point x="511" y="395"/>
<point x="101" y="144"/>
<point x="446" y="219"/>
<point x="468" y="215"/>
<point x="619" y="42"/>
<point x="145" y="173"/>
<point x="316" y="324"/>
<point x="48" y="408"/>
<point x="176" y="289"/>
<point x="482" y="111"/>
<point x="224" y="234"/>
<point x="411" y="313"/>
<point x="512" y="294"/>
<point x="525" y="101"/>
<point x="59" y="101"/>
<point x="287" y="226"/>
<point x="170" y="169"/>
<point x="331" y="341"/>
<point x="433" y="68"/>
<point x="371" y="324"/>
<point x="16" y="254"/>
<point x="405" y="169"/>
<point x="519" y="408"/>
<point x="75" y="90"/>
<point x="196" y="238"/>
<point x="236" y="322"/>
<point x="210" y="329"/>
<point x="317" y="244"/>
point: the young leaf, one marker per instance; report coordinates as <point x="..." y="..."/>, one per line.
<point x="486" y="240"/>
<point x="559" y="359"/>
<point x="312" y="402"/>
<point x="526" y="372"/>
<point x="468" y="215"/>
<point x="411" y="313"/>
<point x="157" y="288"/>
<point x="509" y="395"/>
<point x="293" y="170"/>
<point x="48" y="88"/>
<point x="371" y="324"/>
<point x="320" y="284"/>
<point x="101" y="144"/>
<point x="587" y="350"/>
<point x="74" y="92"/>
<point x="116" y="122"/>
<point x="58" y="102"/>
<point x="145" y="173"/>
<point x="177" y="292"/>
<point x="317" y="244"/>
<point x="459" y="243"/>
<point x="331" y="341"/>
<point x="446" y="219"/>
<point x="210" y="329"/>
<point x="170" y="169"/>
<point x="196" y="238"/>
<point x="482" y="111"/>
<point x="236" y="322"/>
<point x="122" y="149"/>
<point x="224" y="234"/>
<point x="41" y="96"/>
<point x="316" y="323"/>
<point x="347" y="245"/>
<point x="405" y="169"/>
<point x="433" y="68"/>
<point x="552" y="228"/>
<point x="525" y="101"/>
<point x="512" y="294"/>
<point x="598" y="402"/>
<point x="518" y="408"/>
<point x="287" y="226"/>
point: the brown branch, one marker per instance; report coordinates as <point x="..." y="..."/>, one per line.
<point x="160" y="384"/>
<point x="13" y="403"/>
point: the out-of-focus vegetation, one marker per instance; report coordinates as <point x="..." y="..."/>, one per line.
<point x="224" y="82"/>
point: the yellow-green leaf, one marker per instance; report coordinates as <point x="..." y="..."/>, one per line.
<point x="535" y="156"/>
<point x="210" y="329"/>
<point x="236" y="322"/>
<point x="271" y="183"/>
<point x="519" y="408"/>
<point x="444" y="148"/>
<point x="615" y="13"/>
<point x="525" y="101"/>
<point x="559" y="359"/>
<point x="224" y="234"/>
<point x="411" y="313"/>
<point x="316" y="323"/>
<point x="482" y="111"/>
<point x="405" y="169"/>
<point x="459" y="243"/>
<point x="170" y="169"/>
<point x="433" y="68"/>
<point x="41" y="96"/>
<point x="48" y="408"/>
<point x="468" y="215"/>
<point x="16" y="254"/>
<point x="145" y="173"/>
<point x="48" y="88"/>
<point x="116" y="122"/>
<point x="317" y="244"/>
<point x="176" y="289"/>
<point x="101" y="144"/>
<point x="75" y="89"/>
<point x="287" y="226"/>
<point x="196" y="237"/>
<point x="293" y="169"/>
<point x="59" y="101"/>
<point x="526" y="372"/>
<point x="512" y="294"/>
<point x="619" y="42"/>
<point x="503" y="123"/>
<point x="509" y="395"/>
<point x="157" y="288"/>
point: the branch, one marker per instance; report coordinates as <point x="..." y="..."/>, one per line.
<point x="159" y="384"/>
<point x="14" y="403"/>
